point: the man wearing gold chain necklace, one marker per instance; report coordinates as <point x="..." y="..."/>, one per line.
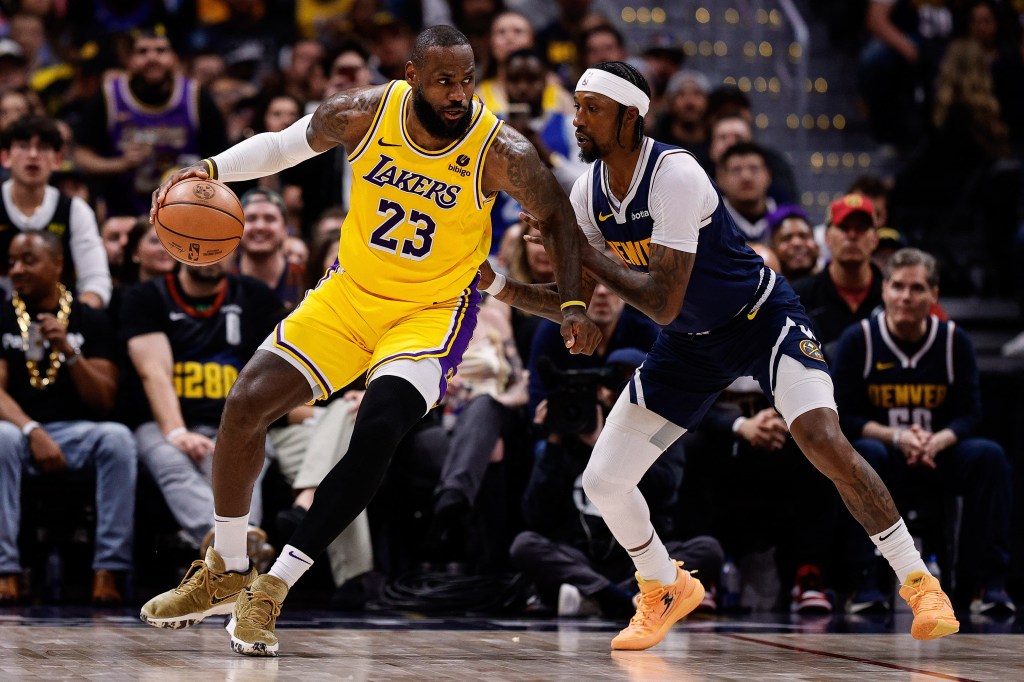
<point x="57" y="378"/>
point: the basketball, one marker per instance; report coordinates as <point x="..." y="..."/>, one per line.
<point x="200" y="221"/>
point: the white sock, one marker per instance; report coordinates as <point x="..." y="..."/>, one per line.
<point x="290" y="565"/>
<point x="898" y="549"/>
<point x="229" y="536"/>
<point x="653" y="562"/>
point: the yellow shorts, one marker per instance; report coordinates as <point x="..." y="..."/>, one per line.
<point x="340" y="330"/>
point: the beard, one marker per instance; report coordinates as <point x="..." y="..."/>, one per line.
<point x="434" y="123"/>
<point x="206" y="274"/>
<point x="591" y="155"/>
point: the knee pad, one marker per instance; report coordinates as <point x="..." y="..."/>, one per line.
<point x="632" y="439"/>
<point x="799" y="389"/>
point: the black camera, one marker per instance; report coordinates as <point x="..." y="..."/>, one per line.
<point x="572" y="395"/>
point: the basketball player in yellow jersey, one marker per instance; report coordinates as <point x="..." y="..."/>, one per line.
<point x="427" y="160"/>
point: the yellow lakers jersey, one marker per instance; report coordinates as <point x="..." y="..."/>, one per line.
<point x="419" y="225"/>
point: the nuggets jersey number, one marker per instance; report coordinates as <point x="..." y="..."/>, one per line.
<point x="419" y="224"/>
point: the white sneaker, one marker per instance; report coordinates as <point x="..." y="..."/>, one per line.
<point x="572" y="603"/>
<point x="569" y="600"/>
<point x="1014" y="347"/>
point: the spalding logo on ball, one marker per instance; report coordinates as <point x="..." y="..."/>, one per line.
<point x="200" y="221"/>
<point x="204" y="191"/>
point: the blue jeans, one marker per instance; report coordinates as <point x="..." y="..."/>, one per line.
<point x="976" y="469"/>
<point x="106" y="447"/>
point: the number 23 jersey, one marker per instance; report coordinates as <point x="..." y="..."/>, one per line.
<point x="419" y="224"/>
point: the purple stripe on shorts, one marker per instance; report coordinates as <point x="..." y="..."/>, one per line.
<point x="302" y="357"/>
<point x="463" y="334"/>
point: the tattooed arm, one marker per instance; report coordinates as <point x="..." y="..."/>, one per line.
<point x="513" y="166"/>
<point x="537" y="299"/>
<point x="342" y="119"/>
<point x="659" y="292"/>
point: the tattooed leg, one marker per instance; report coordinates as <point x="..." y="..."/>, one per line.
<point x="818" y="435"/>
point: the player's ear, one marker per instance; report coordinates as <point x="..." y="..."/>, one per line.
<point x="410" y="72"/>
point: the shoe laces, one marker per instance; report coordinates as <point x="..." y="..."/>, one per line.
<point x="645" y="608"/>
<point x="928" y="600"/>
<point x="258" y="608"/>
<point x="197" y="575"/>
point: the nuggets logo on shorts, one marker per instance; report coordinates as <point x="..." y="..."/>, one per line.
<point x="811" y="350"/>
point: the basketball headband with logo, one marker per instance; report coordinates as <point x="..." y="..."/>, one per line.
<point x="614" y="87"/>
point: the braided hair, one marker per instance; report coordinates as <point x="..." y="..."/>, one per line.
<point x="632" y="75"/>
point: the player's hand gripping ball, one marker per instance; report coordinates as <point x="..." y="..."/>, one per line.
<point x="200" y="221"/>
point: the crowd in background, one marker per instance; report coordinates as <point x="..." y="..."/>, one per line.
<point x="99" y="99"/>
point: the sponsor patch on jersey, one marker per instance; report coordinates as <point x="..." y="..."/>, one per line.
<point x="811" y="350"/>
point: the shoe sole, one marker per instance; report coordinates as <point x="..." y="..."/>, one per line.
<point x="180" y="622"/>
<point x="934" y="629"/>
<point x="249" y="648"/>
<point x="685" y="608"/>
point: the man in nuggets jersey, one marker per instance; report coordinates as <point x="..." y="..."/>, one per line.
<point x="400" y="304"/>
<point x="909" y="397"/>
<point x="725" y="315"/>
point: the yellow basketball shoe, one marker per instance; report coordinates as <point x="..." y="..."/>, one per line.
<point x="658" y="608"/>
<point x="252" y="622"/>
<point x="206" y="590"/>
<point x="933" y="614"/>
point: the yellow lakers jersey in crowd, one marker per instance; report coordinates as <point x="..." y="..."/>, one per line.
<point x="419" y="225"/>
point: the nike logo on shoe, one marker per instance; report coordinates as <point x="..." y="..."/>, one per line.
<point x="231" y="597"/>
<point x="292" y="555"/>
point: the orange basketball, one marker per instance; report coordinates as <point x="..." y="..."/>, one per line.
<point x="200" y="221"/>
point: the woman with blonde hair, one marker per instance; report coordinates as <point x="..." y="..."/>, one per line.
<point x="956" y="191"/>
<point x="965" y="101"/>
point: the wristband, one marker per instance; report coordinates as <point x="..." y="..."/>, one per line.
<point x="174" y="433"/>
<point x="896" y="438"/>
<point x="73" y="358"/>
<point x="30" y="426"/>
<point x="569" y="304"/>
<point x="736" y="424"/>
<point x="497" y="285"/>
<point x="211" y="168"/>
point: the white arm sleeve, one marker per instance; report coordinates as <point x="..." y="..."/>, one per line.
<point x="266" y="153"/>
<point x="580" y="198"/>
<point x="682" y="200"/>
<point x="87" y="252"/>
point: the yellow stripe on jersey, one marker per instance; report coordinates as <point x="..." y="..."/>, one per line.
<point x="418" y="227"/>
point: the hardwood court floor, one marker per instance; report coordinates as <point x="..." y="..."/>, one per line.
<point x="387" y="648"/>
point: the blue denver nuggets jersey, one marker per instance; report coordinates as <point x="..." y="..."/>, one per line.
<point x="899" y="389"/>
<point x="726" y="272"/>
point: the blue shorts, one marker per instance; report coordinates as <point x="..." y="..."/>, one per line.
<point x="684" y="373"/>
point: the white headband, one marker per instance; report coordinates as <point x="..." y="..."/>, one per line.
<point x="614" y="87"/>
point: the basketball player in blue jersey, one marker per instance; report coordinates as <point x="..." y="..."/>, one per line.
<point x="400" y="305"/>
<point x="725" y="315"/>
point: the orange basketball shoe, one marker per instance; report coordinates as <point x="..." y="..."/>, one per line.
<point x="658" y="608"/>
<point x="933" y="614"/>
